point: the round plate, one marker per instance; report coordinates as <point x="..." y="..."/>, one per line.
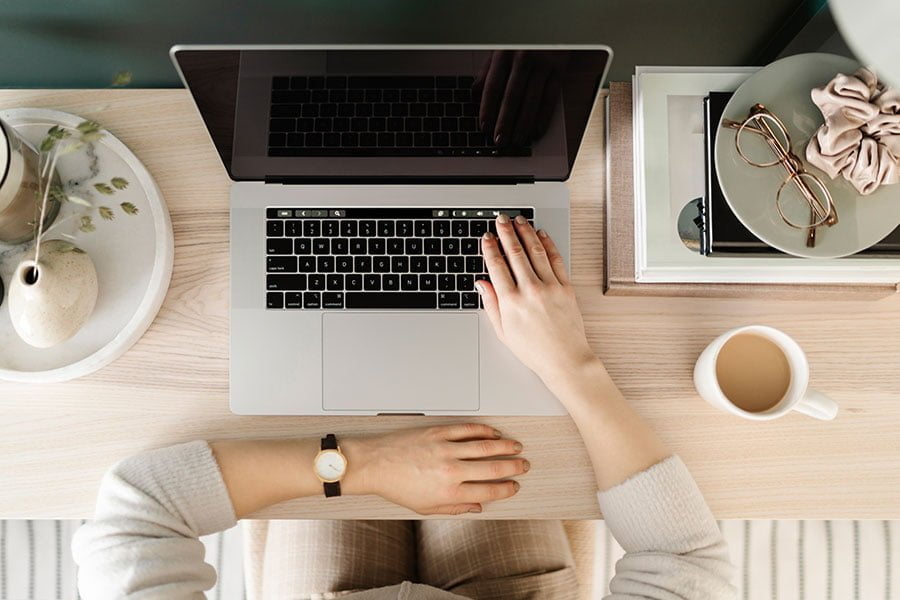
<point x="133" y="256"/>
<point x="784" y="88"/>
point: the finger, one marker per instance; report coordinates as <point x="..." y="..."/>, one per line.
<point x="537" y="254"/>
<point x="494" y="84"/>
<point x="493" y="470"/>
<point x="547" y="106"/>
<point x="457" y="509"/>
<point x="531" y="102"/>
<point x="497" y="268"/>
<point x="486" y="492"/>
<point x="515" y="253"/>
<point x="512" y="99"/>
<point x="555" y="258"/>
<point x="467" y="431"/>
<point x="487" y="448"/>
<point x="491" y="304"/>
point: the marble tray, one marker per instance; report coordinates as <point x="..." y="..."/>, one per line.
<point x="133" y="256"/>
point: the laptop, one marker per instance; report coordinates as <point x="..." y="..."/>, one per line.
<point x="363" y="179"/>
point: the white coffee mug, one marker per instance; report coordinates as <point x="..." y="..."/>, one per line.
<point x="799" y="395"/>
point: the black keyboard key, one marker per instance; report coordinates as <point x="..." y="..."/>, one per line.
<point x="421" y="139"/>
<point x="386" y="228"/>
<point x="343" y="264"/>
<point x="368" y="140"/>
<point x="348" y="228"/>
<point x="356" y="96"/>
<point x="482" y="277"/>
<point x="275" y="228"/>
<point x="440" y="139"/>
<point x="409" y="300"/>
<point x="390" y="95"/>
<point x="422" y="228"/>
<point x="316" y="82"/>
<point x="306" y="264"/>
<point x="305" y="125"/>
<point x="435" y="109"/>
<point x="321" y="246"/>
<point x="312" y="300"/>
<point x="450" y="246"/>
<point x="460" y="228"/>
<point x="386" y="140"/>
<point x="367" y="229"/>
<point x="448" y="300"/>
<point x="340" y="246"/>
<point x="293" y="228"/>
<point x="323" y="125"/>
<point x="382" y="109"/>
<point x="362" y="264"/>
<point x="377" y="124"/>
<point x="465" y="283"/>
<point x="349" y="140"/>
<point x="310" y="111"/>
<point x="449" y="124"/>
<point x="441" y="228"/>
<point x="418" y="264"/>
<point x="302" y="246"/>
<point x="470" y="300"/>
<point x="332" y="140"/>
<point x="413" y="246"/>
<point x="426" y="95"/>
<point x="286" y="282"/>
<point x="428" y="281"/>
<point x="279" y="246"/>
<point x="413" y="124"/>
<point x="437" y="264"/>
<point x="281" y="264"/>
<point x="470" y="125"/>
<point x="359" y="124"/>
<point x="381" y="264"/>
<point x="333" y="300"/>
<point x="453" y="110"/>
<point x="431" y="124"/>
<point x="404" y="228"/>
<point x="346" y="109"/>
<point x="357" y="246"/>
<point x="376" y="246"/>
<point x="474" y="264"/>
<point x="293" y="300"/>
<point x="456" y="264"/>
<point x="432" y="246"/>
<point x="316" y="282"/>
<point x="312" y="228"/>
<point x="400" y="264"/>
<point x="409" y="282"/>
<point x="283" y="125"/>
<point x="404" y="140"/>
<point x="446" y="283"/>
<point x="353" y="283"/>
<point x="334" y="282"/>
<point x="408" y="95"/>
<point x="458" y="139"/>
<point x="319" y="96"/>
<point x="371" y="283"/>
<point x="469" y="246"/>
<point x="444" y="96"/>
<point x="274" y="300"/>
<point x="336" y="82"/>
<point x="395" y="246"/>
<point x="281" y="83"/>
<point x="477" y="228"/>
<point x="340" y="125"/>
<point x="338" y="96"/>
<point x="329" y="228"/>
<point x="390" y="282"/>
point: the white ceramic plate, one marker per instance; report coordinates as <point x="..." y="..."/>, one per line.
<point x="133" y="256"/>
<point x="784" y="87"/>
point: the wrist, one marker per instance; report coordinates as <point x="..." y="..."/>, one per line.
<point x="358" y="480"/>
<point x="579" y="383"/>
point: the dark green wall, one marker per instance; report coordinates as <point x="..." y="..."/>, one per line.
<point x="68" y="43"/>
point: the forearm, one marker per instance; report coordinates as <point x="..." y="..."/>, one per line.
<point x="619" y="443"/>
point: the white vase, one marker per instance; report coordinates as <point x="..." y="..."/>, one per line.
<point x="50" y="301"/>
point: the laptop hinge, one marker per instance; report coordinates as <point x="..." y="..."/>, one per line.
<point x="313" y="180"/>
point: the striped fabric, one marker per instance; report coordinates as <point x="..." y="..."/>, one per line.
<point x="777" y="560"/>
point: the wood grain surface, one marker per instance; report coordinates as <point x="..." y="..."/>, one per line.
<point x="57" y="440"/>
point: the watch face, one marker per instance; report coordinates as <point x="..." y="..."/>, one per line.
<point x="330" y="465"/>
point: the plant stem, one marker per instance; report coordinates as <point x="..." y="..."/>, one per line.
<point x="47" y="186"/>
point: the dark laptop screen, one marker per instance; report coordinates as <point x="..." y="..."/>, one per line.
<point x="312" y="113"/>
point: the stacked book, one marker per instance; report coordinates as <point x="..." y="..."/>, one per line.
<point x="669" y="226"/>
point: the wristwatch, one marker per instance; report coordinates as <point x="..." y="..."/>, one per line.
<point x="330" y="466"/>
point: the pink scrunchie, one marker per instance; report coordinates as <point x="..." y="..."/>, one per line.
<point x="860" y="138"/>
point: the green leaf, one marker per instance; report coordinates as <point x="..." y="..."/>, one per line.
<point x="56" y="193"/>
<point x="87" y="224"/>
<point x="129" y="208"/>
<point x="119" y="183"/>
<point x="93" y="136"/>
<point x="65" y="247"/>
<point x="79" y="200"/>
<point x="121" y="78"/>
<point x="106" y="213"/>
<point x="104" y="189"/>
<point x="88" y="127"/>
<point x="47" y="144"/>
<point x="70" y="148"/>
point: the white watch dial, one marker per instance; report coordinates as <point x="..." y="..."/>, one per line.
<point x="330" y="465"/>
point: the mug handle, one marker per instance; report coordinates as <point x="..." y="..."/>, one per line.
<point x="817" y="405"/>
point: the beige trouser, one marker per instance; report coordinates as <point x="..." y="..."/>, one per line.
<point x="507" y="560"/>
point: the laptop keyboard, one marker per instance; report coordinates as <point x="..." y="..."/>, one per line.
<point x="378" y="116"/>
<point x="377" y="258"/>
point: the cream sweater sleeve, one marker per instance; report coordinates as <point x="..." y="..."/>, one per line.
<point x="151" y="509"/>
<point x="674" y="548"/>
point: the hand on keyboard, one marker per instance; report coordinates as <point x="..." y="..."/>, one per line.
<point x="530" y="301"/>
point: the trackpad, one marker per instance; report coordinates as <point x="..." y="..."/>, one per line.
<point x="403" y="362"/>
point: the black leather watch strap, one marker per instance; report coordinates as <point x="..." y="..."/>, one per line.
<point x="329" y="442"/>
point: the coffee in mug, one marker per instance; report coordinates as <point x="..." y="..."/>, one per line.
<point x="759" y="373"/>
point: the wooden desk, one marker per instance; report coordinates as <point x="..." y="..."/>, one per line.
<point x="57" y="440"/>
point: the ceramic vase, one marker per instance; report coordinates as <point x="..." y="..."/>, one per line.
<point x="49" y="301"/>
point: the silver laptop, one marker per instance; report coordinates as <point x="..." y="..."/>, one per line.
<point x="364" y="177"/>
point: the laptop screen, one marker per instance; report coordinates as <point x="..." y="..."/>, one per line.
<point x="402" y="113"/>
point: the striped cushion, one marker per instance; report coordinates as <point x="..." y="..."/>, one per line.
<point x="788" y="560"/>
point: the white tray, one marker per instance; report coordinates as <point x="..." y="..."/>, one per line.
<point x="133" y="256"/>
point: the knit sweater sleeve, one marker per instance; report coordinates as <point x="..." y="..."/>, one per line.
<point x="674" y="548"/>
<point x="151" y="510"/>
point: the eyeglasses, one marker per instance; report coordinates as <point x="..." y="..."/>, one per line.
<point x="808" y="203"/>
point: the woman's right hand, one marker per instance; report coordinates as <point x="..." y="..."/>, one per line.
<point x="450" y="469"/>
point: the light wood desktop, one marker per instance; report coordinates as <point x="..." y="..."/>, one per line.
<point x="57" y="440"/>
